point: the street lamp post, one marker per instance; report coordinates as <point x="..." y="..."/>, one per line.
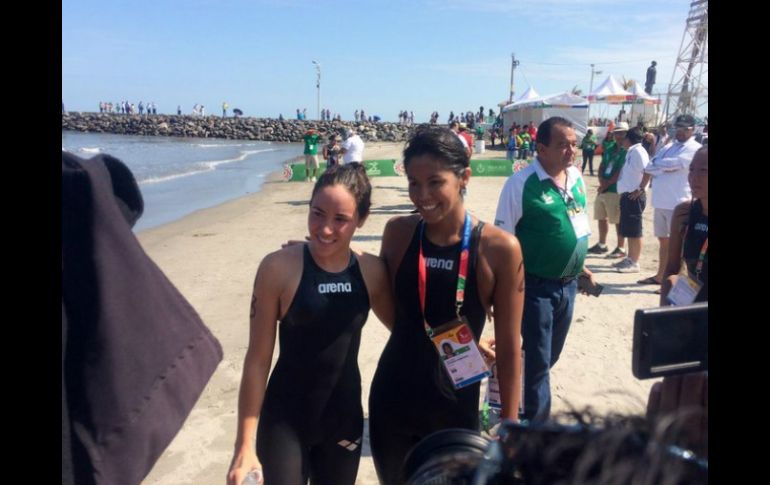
<point x="318" y="86"/>
<point x="591" y="88"/>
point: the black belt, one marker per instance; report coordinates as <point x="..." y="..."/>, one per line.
<point x="562" y="281"/>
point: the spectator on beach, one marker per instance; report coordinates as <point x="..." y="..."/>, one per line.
<point x="444" y="234"/>
<point x="648" y="143"/>
<point x="468" y="137"/>
<point x="332" y="151"/>
<point x="455" y="128"/>
<point x="511" y="147"/>
<point x="632" y="186"/>
<point x="669" y="171"/>
<point x="451" y="117"/>
<point x="179" y="110"/>
<point x="311" y="154"/>
<point x="607" y="202"/>
<point x="688" y="242"/>
<point x="308" y="420"/>
<point x="588" y="146"/>
<point x="532" y="130"/>
<point x="523" y="143"/>
<point x="352" y="148"/>
<point x="544" y="206"/>
<point x="356" y="114"/>
<point x="493" y="135"/>
<point x="224" y="109"/>
<point x="299" y="114"/>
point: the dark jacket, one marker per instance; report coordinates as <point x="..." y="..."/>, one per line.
<point x="135" y="355"/>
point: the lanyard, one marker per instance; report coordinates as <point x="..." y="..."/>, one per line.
<point x="462" y="273"/>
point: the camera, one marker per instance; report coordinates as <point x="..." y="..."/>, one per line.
<point x="620" y="452"/>
<point x="670" y="340"/>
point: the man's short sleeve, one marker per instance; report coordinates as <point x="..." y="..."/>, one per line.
<point x="508" y="207"/>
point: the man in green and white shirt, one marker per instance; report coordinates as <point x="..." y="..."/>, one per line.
<point x="544" y="206"/>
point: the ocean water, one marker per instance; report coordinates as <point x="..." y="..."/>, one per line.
<point x="178" y="176"/>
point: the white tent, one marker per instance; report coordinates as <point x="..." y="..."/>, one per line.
<point x="539" y="108"/>
<point x="610" y="91"/>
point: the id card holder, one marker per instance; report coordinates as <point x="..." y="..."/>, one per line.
<point x="685" y="290"/>
<point x="579" y="220"/>
<point x="493" y="388"/>
<point x="459" y="353"/>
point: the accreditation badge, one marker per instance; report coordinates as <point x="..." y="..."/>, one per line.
<point x="493" y="388"/>
<point x="685" y="290"/>
<point x="459" y="353"/>
<point x="580" y="224"/>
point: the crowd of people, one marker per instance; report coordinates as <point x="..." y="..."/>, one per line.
<point x="124" y="107"/>
<point x="440" y="276"/>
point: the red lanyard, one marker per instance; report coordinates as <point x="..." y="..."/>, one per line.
<point x="422" y="275"/>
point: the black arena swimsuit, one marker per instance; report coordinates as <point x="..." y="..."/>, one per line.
<point x="411" y="395"/>
<point x="311" y="420"/>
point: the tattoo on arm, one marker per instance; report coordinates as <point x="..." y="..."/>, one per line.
<point x="520" y="271"/>
<point x="253" y="312"/>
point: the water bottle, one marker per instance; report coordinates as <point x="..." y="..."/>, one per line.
<point x="254" y="477"/>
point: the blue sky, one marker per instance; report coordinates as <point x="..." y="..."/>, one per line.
<point x="382" y="56"/>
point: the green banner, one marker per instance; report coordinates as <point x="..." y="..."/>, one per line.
<point x="491" y="168"/>
<point x="295" y="172"/>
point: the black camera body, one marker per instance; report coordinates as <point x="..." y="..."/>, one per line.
<point x="670" y="340"/>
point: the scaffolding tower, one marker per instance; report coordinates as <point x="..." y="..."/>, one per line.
<point x="688" y="90"/>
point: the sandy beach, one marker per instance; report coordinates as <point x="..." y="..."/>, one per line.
<point x="212" y="256"/>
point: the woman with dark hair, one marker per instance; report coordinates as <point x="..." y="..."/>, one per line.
<point x="689" y="241"/>
<point x="448" y="270"/>
<point x="321" y="293"/>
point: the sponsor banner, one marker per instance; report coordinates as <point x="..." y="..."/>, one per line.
<point x="295" y="172"/>
<point x="491" y="168"/>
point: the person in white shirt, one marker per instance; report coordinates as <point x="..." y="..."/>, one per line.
<point x="455" y="127"/>
<point x="352" y="148"/>
<point x="631" y="187"/>
<point x="669" y="170"/>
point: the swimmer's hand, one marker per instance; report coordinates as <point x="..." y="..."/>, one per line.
<point x="487" y="348"/>
<point x="242" y="466"/>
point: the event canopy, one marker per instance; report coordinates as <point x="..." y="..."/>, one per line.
<point x="610" y="91"/>
<point x="532" y="107"/>
<point x="640" y="97"/>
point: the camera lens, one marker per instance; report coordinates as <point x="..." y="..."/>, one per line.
<point x="446" y="457"/>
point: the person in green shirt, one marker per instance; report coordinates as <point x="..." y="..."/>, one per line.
<point x="588" y="146"/>
<point x="311" y="154"/>
<point x="607" y="203"/>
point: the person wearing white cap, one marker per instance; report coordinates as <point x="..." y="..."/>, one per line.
<point x="669" y="171"/>
<point x="352" y="148"/>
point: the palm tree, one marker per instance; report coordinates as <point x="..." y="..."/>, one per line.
<point x="577" y="91"/>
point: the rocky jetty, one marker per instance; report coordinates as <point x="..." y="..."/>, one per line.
<point x="263" y="129"/>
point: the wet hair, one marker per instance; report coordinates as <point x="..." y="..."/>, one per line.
<point x="544" y="130"/>
<point x="635" y="135"/>
<point x="441" y="143"/>
<point x="353" y="177"/>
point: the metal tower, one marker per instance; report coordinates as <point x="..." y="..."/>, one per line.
<point x="688" y="90"/>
